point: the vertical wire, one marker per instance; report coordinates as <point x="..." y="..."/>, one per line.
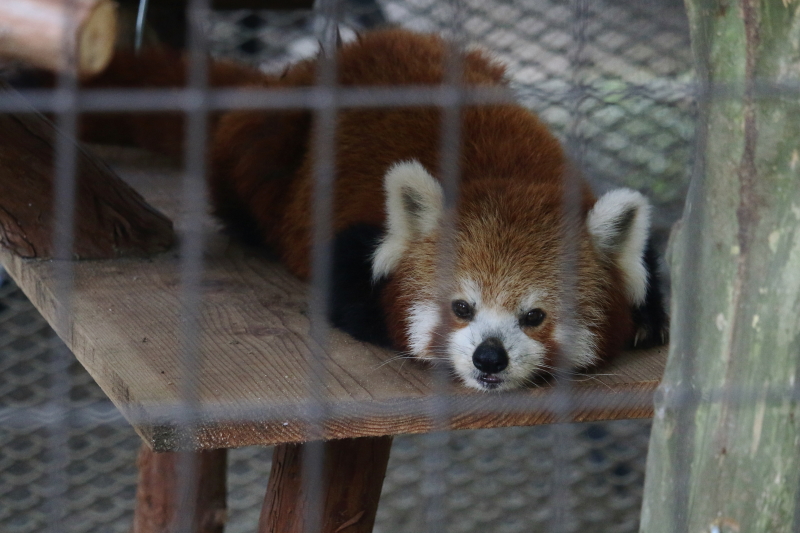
<point x="563" y="402"/>
<point x="64" y="192"/>
<point x="141" y="16"/>
<point x="435" y="458"/>
<point x="191" y="263"/>
<point x="323" y="147"/>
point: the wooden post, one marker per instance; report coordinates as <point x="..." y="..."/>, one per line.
<point x="59" y="34"/>
<point x="724" y="454"/>
<point x="349" y="491"/>
<point x="157" y="509"/>
<point x="111" y="219"/>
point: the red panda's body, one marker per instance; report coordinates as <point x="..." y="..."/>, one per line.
<point x="510" y="301"/>
<point x="508" y="140"/>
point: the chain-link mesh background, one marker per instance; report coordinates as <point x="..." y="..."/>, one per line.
<point x="625" y="111"/>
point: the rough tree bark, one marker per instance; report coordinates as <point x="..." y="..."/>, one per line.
<point x="724" y="453"/>
<point x="111" y="219"/>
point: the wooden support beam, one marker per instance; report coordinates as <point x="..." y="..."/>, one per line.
<point x="111" y="219"/>
<point x="157" y="507"/>
<point x="346" y="498"/>
<point x="59" y="34"/>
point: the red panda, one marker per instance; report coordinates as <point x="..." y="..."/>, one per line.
<point x="504" y="311"/>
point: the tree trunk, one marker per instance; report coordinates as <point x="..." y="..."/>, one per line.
<point x="724" y="454"/>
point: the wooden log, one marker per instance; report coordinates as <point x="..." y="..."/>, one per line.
<point x="724" y="454"/>
<point x="59" y="34"/>
<point x="345" y="500"/>
<point x="157" y="509"/>
<point x="111" y="219"/>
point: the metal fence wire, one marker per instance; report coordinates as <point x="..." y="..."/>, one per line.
<point x="495" y="480"/>
<point x="610" y="77"/>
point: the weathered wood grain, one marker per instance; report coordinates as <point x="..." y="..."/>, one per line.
<point x="255" y="354"/>
<point x="111" y="219"/>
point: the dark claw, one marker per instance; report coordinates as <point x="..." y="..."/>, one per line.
<point x="650" y="318"/>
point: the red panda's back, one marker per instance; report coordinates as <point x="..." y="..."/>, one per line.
<point x="498" y="141"/>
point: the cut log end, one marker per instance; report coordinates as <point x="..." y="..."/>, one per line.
<point x="96" y="38"/>
<point x="59" y="35"/>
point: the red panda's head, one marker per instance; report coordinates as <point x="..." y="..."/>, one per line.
<point x="509" y="293"/>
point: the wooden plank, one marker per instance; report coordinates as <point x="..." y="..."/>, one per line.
<point x="111" y="219"/>
<point x="256" y="353"/>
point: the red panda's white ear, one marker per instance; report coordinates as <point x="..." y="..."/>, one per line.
<point x="619" y="222"/>
<point x="414" y="206"/>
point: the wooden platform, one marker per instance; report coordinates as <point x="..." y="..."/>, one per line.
<point x="255" y="355"/>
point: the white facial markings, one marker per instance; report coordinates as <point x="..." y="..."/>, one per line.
<point x="470" y="292"/>
<point x="525" y="355"/>
<point x="534" y="299"/>
<point x="423" y="319"/>
<point x="579" y="345"/>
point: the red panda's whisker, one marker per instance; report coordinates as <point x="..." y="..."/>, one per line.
<point x="505" y="227"/>
<point x="400" y="356"/>
<point x="585" y="377"/>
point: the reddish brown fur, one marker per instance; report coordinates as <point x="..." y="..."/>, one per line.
<point x="511" y="165"/>
<point x="154" y="68"/>
<point x="500" y="220"/>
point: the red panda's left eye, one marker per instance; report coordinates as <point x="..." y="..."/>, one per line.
<point x="532" y="318"/>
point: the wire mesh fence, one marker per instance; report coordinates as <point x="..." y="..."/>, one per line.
<point x="497" y="480"/>
<point x="611" y="79"/>
<point x="636" y="95"/>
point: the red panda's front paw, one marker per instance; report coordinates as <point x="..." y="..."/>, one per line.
<point x="650" y="318"/>
<point x="647" y="336"/>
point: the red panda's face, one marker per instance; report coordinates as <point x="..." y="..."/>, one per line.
<point x="491" y="297"/>
<point x="499" y="341"/>
<point x="497" y="319"/>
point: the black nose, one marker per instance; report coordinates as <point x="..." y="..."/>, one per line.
<point x="490" y="356"/>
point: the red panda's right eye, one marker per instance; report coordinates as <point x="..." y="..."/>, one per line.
<point x="463" y="310"/>
<point x="533" y="318"/>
